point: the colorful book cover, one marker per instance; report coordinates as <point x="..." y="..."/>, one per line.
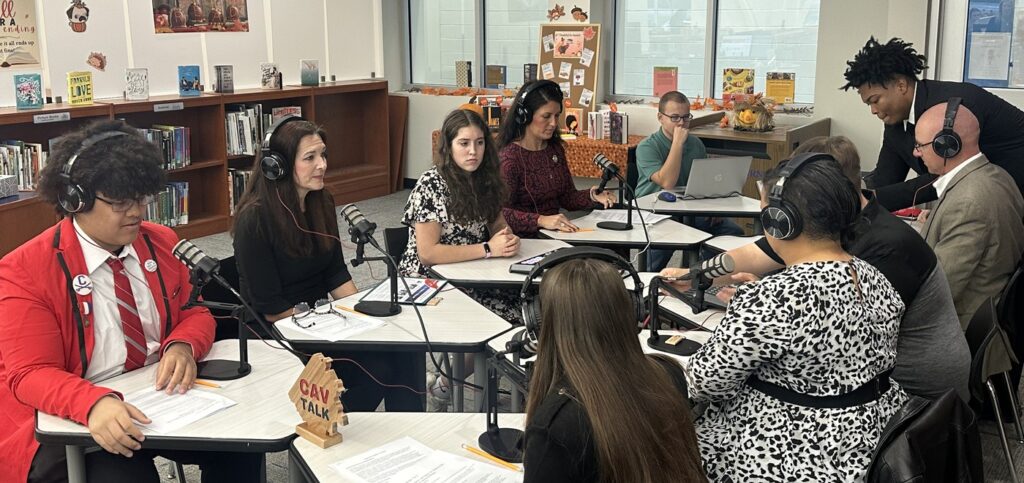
<point x="80" y="88"/>
<point x="529" y="73"/>
<point x="737" y="82"/>
<point x="189" y="84"/>
<point x="780" y="87"/>
<point x="225" y="79"/>
<point x="28" y="91"/>
<point x="491" y="106"/>
<point x="495" y="77"/>
<point x="310" y="72"/>
<point x="270" y="76"/>
<point x="665" y="80"/>
<point x="279" y="112"/>
<point x="463" y="73"/>
<point x="136" y="84"/>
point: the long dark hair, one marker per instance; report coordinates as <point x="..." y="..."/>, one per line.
<point x="641" y="426"/>
<point x="278" y="201"/>
<point x="538" y="93"/>
<point x="478" y="195"/>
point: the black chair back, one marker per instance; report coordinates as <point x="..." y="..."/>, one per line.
<point x="395" y="241"/>
<point x="632" y="177"/>
<point x="1010" y="310"/>
<point x="227" y="328"/>
<point x="982" y="331"/>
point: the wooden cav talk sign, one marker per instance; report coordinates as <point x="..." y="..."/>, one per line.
<point x="317" y="398"/>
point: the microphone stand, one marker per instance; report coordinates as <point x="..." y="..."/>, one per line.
<point x="617" y="225"/>
<point x="503" y="443"/>
<point x="696" y="302"/>
<point x="376" y="308"/>
<point x="221" y="369"/>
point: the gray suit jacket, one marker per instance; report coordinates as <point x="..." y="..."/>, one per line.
<point x="977" y="232"/>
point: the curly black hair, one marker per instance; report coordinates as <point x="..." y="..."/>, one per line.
<point x="880" y="63"/>
<point x="828" y="202"/>
<point x="121" y="167"/>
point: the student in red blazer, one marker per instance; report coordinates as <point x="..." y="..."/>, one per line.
<point x="52" y="309"/>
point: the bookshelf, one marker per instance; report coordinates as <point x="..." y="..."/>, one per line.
<point x="354" y="115"/>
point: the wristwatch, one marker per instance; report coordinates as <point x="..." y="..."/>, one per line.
<point x="487" y="250"/>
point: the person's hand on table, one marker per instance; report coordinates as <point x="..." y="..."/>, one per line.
<point x="504" y="243"/>
<point x="177" y="369"/>
<point x="111" y="425"/>
<point x="557" y="222"/>
<point x="726" y="293"/>
<point x="605" y="198"/>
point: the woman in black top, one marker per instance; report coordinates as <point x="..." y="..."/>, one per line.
<point x="599" y="409"/>
<point x="288" y="252"/>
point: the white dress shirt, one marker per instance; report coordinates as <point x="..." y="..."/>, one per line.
<point x="942" y="182"/>
<point x="108" y="352"/>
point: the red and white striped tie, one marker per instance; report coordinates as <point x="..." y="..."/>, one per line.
<point x="131" y="324"/>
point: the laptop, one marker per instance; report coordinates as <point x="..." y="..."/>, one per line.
<point x="717" y="177"/>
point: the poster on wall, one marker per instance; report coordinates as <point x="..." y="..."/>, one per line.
<point x="185" y="16"/>
<point x="19" y="43"/>
<point x="572" y="63"/>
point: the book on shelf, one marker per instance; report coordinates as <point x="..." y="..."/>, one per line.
<point x="244" y="125"/>
<point x="780" y="87"/>
<point x="189" y="84"/>
<point x="309" y="72"/>
<point x="618" y="132"/>
<point x="491" y="106"/>
<point x="169" y="206"/>
<point x="225" y="79"/>
<point x="665" y="80"/>
<point x="279" y="112"/>
<point x="529" y="73"/>
<point x="737" y="83"/>
<point x="237" y="181"/>
<point x="494" y="77"/>
<point x="24" y="161"/>
<point x="80" y="88"/>
<point x="270" y="75"/>
<point x="28" y="91"/>
<point x="173" y="142"/>
<point x="463" y="73"/>
<point x="136" y="84"/>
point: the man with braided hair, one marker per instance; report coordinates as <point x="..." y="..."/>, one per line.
<point x="887" y="77"/>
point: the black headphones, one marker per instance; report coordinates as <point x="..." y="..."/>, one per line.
<point x="72" y="198"/>
<point x="780" y="218"/>
<point x="274" y="165"/>
<point x="529" y="291"/>
<point x="522" y="113"/>
<point x="947" y="142"/>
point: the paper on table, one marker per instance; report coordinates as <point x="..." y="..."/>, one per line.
<point x="333" y="326"/>
<point x="620" y="216"/>
<point x="406" y="459"/>
<point x="422" y="288"/>
<point x="170" y="412"/>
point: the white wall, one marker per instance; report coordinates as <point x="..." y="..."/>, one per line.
<point x="345" y="35"/>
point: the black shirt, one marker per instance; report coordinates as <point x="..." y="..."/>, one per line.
<point x="888" y="244"/>
<point x="274" y="281"/>
<point x="559" y="440"/>
<point x="1001" y="126"/>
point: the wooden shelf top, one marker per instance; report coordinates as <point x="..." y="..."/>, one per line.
<point x="340" y="87"/>
<point x="19" y="199"/>
<point x="122" y="106"/>
<point x="257" y="95"/>
<point x="11" y="115"/>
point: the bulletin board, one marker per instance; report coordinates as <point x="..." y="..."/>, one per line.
<point x="569" y="55"/>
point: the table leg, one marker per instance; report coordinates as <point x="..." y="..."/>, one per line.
<point x="458" y="389"/>
<point x="641" y="261"/>
<point x="691" y="257"/>
<point x="76" y="463"/>
<point x="480" y="379"/>
<point x="515" y="393"/>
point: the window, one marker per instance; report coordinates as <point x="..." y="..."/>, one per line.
<point x="441" y="33"/>
<point x="768" y="37"/>
<point x="777" y="36"/>
<point x="993" y="44"/>
<point x="659" y="33"/>
<point x="511" y="35"/>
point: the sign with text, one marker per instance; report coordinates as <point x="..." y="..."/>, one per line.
<point x="19" y="42"/>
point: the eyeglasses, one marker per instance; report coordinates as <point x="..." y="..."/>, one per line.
<point x="322" y="307"/>
<point x="121" y="206"/>
<point x="676" y="118"/>
<point x="918" y="146"/>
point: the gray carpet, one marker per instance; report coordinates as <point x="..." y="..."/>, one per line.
<point x="386" y="211"/>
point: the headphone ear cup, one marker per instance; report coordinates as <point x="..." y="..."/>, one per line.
<point x="522" y="115"/>
<point x="946" y="144"/>
<point x="778" y="222"/>
<point x="72" y="199"/>
<point x="638" y="304"/>
<point x="531" y="314"/>
<point x="272" y="166"/>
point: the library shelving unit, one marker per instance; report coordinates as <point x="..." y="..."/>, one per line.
<point x="354" y="115"/>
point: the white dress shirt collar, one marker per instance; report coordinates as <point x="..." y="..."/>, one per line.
<point x="96" y="256"/>
<point x="942" y="182"/>
<point x="912" y="119"/>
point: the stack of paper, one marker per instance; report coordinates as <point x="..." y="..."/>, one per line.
<point x="170" y="412"/>
<point x="332" y="326"/>
<point x="409" y="460"/>
<point x="620" y="216"/>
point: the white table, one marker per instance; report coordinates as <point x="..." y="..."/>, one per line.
<point x="365" y="431"/>
<point x="456" y="324"/>
<point x="263" y="420"/>
<point x="725" y="243"/>
<point x="493" y="272"/>
<point x="666" y="234"/>
<point x="733" y="206"/>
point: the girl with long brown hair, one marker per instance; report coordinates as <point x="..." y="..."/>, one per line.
<point x="598" y="408"/>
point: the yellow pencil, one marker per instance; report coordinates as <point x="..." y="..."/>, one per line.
<point x="494" y="460"/>
<point x="582" y="230"/>
<point x="203" y="382"/>
<point x="349" y="309"/>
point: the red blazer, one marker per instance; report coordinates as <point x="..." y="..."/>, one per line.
<point x="40" y="353"/>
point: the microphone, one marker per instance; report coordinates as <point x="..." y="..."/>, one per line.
<point x="523" y="344"/>
<point x="717" y="266"/>
<point x="608" y="168"/>
<point x="194" y="258"/>
<point x="359" y="227"/>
